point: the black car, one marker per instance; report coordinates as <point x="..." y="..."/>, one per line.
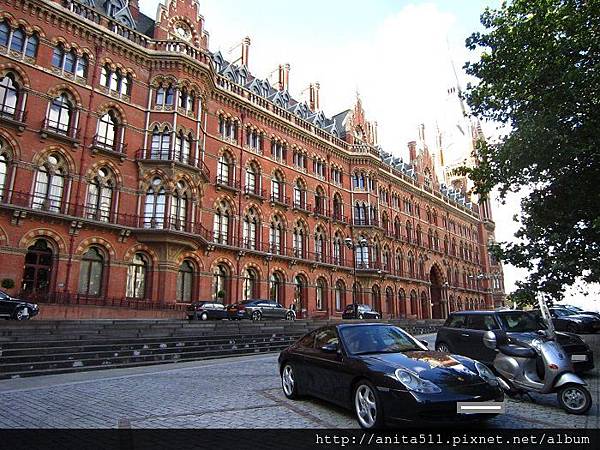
<point x="207" y="310"/>
<point x="578" y="310"/>
<point x="384" y="375"/>
<point x="566" y="320"/>
<point x="463" y="334"/>
<point x="360" y="312"/>
<point x="14" y="308"/>
<point x="259" y="309"/>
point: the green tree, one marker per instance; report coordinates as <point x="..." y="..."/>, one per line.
<point x="538" y="76"/>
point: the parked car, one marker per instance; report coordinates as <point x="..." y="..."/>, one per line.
<point x="360" y="312"/>
<point x="14" y="308"/>
<point x="463" y="332"/>
<point x="207" y="310"/>
<point x="566" y="320"/>
<point x="259" y="309"/>
<point x="384" y="375"/>
<point x="578" y="310"/>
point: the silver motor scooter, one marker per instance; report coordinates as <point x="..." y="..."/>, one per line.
<point x="542" y="367"/>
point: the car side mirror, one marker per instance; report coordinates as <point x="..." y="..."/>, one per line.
<point x="425" y="343"/>
<point x="489" y="340"/>
<point x="330" y="348"/>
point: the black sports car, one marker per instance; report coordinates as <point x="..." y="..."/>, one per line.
<point x="355" y="311"/>
<point x="206" y="310"/>
<point x="565" y="320"/>
<point x="385" y="375"/>
<point x="17" y="309"/>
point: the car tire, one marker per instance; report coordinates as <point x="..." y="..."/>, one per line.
<point x="574" y="399"/>
<point x="21" y="314"/>
<point x="367" y="406"/>
<point x="289" y="382"/>
<point x="361" y="317"/>
<point x="204" y="317"/>
<point x="256" y="316"/>
<point x="290" y="316"/>
<point x="442" y="347"/>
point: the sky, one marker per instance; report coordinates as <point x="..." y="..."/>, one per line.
<point x="396" y="54"/>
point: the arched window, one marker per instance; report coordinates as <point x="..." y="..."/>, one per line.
<point x="299" y="241"/>
<point x="60" y="115"/>
<point x="276" y="285"/>
<point x="69" y="61"/>
<point x="9" y="95"/>
<point x="277" y="188"/>
<point x="319" y="244"/>
<point x="91" y="273"/>
<point x="376" y="298"/>
<point x="179" y="207"/>
<point x="115" y="80"/>
<point x="418" y="235"/>
<point x="37" y="270"/>
<point x="165" y="96"/>
<point x="414" y="304"/>
<point x="50" y="184"/>
<point x="362" y="254"/>
<point x="155" y="206"/>
<point x="185" y="282"/>
<point x="161" y="144"/>
<point x="221" y="223"/>
<point x="20" y="42"/>
<point x="100" y="196"/>
<point x="338" y="246"/>
<point x="3" y="172"/>
<point x="321" y="294"/>
<point x="137" y="272"/>
<point x="411" y="265"/>
<point x="399" y="263"/>
<point x="107" y="130"/>
<point x="187" y="100"/>
<point x="385" y="260"/>
<point x="320" y="201"/>
<point x="276" y="236"/>
<point x="299" y="195"/>
<point x="250" y="229"/>
<point x="183" y="147"/>
<point x="250" y="285"/>
<point x="221" y="284"/>
<point x="340" y="295"/>
<point x="408" y="231"/>
<point x="337" y="207"/>
<point x="300" y="285"/>
<point x="224" y="169"/>
<point x="402" y="303"/>
<point x="389" y="301"/>
<point x="252" y="179"/>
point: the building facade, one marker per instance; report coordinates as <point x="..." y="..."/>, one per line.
<point x="139" y="168"/>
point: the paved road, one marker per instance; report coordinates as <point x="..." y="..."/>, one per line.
<point x="237" y="392"/>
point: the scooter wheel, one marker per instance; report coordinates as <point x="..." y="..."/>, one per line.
<point x="574" y="399"/>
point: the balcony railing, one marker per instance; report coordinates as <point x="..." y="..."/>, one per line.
<point x="338" y="217"/>
<point x="255" y="191"/>
<point x="56" y="205"/>
<point x="67" y="131"/>
<point x="102" y="145"/>
<point x="321" y="210"/>
<point x="227" y="183"/>
<point x="280" y="200"/>
<point x="302" y="206"/>
<point x="359" y="222"/>
<point x="12" y="115"/>
<point x="172" y="156"/>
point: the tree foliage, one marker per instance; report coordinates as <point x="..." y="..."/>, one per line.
<point x="539" y="76"/>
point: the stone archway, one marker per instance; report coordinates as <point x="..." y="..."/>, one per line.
<point x="437" y="310"/>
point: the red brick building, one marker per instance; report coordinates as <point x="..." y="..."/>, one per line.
<point x="137" y="167"/>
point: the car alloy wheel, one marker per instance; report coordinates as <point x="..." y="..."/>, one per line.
<point x="366" y="406"/>
<point x="22" y="314"/>
<point x="256" y="315"/>
<point x="288" y="382"/>
<point x="575" y="399"/>
<point x="361" y="317"/>
<point x="204" y="316"/>
<point x="289" y="316"/>
<point x="443" y="347"/>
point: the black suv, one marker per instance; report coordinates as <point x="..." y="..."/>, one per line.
<point x="360" y="312"/>
<point x="463" y="334"/>
<point x="14" y="308"/>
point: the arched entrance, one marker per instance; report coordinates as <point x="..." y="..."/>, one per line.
<point x="37" y="273"/>
<point x="300" y="286"/>
<point x="436" y="279"/>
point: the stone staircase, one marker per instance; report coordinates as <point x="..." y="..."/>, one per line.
<point x="51" y="347"/>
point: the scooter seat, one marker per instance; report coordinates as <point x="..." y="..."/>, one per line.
<point x="517" y="351"/>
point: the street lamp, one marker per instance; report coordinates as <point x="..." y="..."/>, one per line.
<point x="362" y="242"/>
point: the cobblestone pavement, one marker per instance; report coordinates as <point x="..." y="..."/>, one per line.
<point x="232" y="393"/>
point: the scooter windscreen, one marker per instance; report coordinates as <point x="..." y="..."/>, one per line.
<point x="550" y="331"/>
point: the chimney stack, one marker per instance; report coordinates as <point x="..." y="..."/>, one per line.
<point x="314" y="96"/>
<point x="284" y="77"/>
<point x="245" y="50"/>
<point x="412" y="151"/>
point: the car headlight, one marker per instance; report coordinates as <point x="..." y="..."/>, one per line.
<point x="485" y="373"/>
<point x="413" y="383"/>
<point x="536" y="344"/>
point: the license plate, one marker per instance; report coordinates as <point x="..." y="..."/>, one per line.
<point x="480" y="408"/>
<point x="578" y="358"/>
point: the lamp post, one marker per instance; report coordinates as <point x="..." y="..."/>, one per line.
<point x="352" y="246"/>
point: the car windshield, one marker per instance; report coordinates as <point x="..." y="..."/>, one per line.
<point x="521" y="321"/>
<point x="364" y="307"/>
<point x="370" y="339"/>
<point x="563" y="312"/>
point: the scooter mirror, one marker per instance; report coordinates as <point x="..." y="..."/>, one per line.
<point x="489" y="340"/>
